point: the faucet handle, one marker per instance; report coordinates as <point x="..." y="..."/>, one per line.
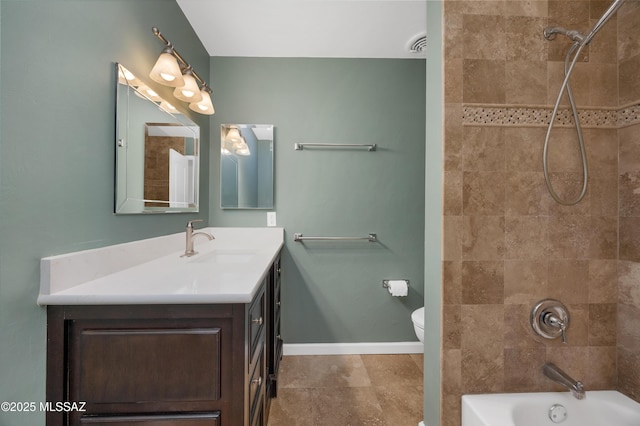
<point x="550" y="319"/>
<point x="190" y="223"/>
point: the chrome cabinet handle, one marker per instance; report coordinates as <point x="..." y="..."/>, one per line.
<point x="257" y="321"/>
<point x="257" y="381"/>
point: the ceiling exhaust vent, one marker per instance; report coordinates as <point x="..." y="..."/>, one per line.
<point x="419" y="45"/>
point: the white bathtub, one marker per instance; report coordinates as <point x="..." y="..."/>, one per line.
<point x="599" y="408"/>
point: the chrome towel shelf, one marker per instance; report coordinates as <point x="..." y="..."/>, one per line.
<point x="372" y="238"/>
<point x="300" y="146"/>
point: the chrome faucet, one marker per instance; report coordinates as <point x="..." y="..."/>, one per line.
<point x="189" y="251"/>
<point x="553" y="372"/>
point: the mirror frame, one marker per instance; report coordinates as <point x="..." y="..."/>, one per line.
<point x="154" y="121"/>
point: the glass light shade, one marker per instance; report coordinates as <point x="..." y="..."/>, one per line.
<point x="205" y="106"/>
<point x="190" y="92"/>
<point x="168" y="107"/>
<point x="149" y="93"/>
<point x="126" y="77"/>
<point x="243" y="151"/>
<point x="233" y="135"/>
<point x="166" y="70"/>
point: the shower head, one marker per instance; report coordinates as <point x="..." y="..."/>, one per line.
<point x="575" y="35"/>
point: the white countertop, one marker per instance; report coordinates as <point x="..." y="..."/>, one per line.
<point x="228" y="269"/>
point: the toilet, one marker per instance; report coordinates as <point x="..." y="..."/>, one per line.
<point x="418" y="323"/>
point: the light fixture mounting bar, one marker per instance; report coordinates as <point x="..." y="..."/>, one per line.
<point x="183" y="63"/>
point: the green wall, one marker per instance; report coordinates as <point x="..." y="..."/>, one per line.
<point x="57" y="104"/>
<point x="332" y="291"/>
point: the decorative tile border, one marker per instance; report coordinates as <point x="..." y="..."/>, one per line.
<point x="538" y="116"/>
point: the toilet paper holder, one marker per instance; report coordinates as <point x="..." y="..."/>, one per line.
<point x="385" y="283"/>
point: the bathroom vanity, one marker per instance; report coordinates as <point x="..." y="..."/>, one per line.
<point x="138" y="350"/>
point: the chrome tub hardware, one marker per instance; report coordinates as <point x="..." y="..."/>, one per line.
<point x="550" y="319"/>
<point x="556" y="374"/>
<point x="190" y="235"/>
<point x="557" y="413"/>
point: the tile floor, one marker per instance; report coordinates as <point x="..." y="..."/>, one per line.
<point x="349" y="390"/>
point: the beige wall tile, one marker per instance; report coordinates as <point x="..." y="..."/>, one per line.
<point x="525" y="281"/>
<point x="629" y="378"/>
<point x="483" y="193"/>
<point x="526" y="194"/>
<point x="483" y="81"/>
<point x="482" y="282"/>
<point x="526" y="8"/>
<point x="526" y="237"/>
<point x="483" y="37"/>
<point x="523" y="146"/>
<point x="603" y="282"/>
<point x="483" y="237"/>
<point x="483" y="149"/>
<point x="629" y="235"/>
<point x="522" y="369"/>
<point x="452" y="197"/>
<point x="525" y="82"/>
<point x="629" y="82"/>
<point x="602" y="324"/>
<point x="604" y="237"/>
<point x="602" y="374"/>
<point x="452" y="282"/>
<point x="628" y="42"/>
<point x="629" y="283"/>
<point x="451" y="327"/>
<point x="524" y="40"/>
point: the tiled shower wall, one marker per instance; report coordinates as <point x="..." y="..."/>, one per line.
<point x="629" y="193"/>
<point x="507" y="244"/>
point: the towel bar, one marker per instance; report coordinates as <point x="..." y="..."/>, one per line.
<point x="371" y="238"/>
<point x="300" y="146"/>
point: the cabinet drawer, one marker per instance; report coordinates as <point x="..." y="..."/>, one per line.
<point x="256" y="385"/>
<point x="204" y="419"/>
<point x="256" y="319"/>
<point x="142" y="370"/>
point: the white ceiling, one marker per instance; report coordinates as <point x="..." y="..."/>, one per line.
<point x="308" y="28"/>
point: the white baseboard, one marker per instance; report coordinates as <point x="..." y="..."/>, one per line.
<point x="353" y="348"/>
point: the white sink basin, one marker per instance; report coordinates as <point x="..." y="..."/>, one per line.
<point x="223" y="256"/>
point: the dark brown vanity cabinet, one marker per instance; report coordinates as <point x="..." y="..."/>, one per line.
<point x="191" y="365"/>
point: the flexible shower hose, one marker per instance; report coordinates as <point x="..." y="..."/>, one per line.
<point x="568" y="69"/>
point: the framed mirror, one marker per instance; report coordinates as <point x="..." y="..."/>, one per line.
<point x="157" y="152"/>
<point x="246" y="166"/>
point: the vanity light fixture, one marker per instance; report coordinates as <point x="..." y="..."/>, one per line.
<point x="189" y="92"/>
<point x="166" y="70"/>
<point x="233" y="135"/>
<point x="205" y="106"/>
<point x="190" y="87"/>
<point x="234" y="143"/>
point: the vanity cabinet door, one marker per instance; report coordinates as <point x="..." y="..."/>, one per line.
<point x="148" y="364"/>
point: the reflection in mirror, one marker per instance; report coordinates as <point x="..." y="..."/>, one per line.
<point x="157" y="152"/>
<point x="246" y="166"/>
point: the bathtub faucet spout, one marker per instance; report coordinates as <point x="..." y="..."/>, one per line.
<point x="557" y="375"/>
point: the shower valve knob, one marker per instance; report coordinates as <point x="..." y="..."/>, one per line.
<point x="550" y="319"/>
